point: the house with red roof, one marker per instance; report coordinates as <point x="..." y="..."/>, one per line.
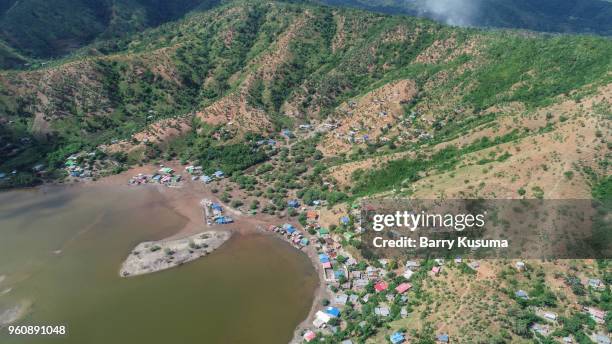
<point x="596" y="314"/>
<point x="312" y="215"/>
<point x="402" y="288"/>
<point x="309" y="336"/>
<point x="436" y="270"/>
<point x="381" y="286"/>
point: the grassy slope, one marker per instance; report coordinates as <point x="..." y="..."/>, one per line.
<point x="191" y="64"/>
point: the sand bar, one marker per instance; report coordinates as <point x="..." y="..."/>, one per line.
<point x="153" y="256"/>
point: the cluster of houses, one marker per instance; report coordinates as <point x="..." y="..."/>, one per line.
<point x="74" y="169"/>
<point x="546" y="329"/>
<point x="214" y="213"/>
<point x="349" y="285"/>
<point x="165" y="176"/>
<point x="196" y="173"/>
<point x="291" y="234"/>
<point x="267" y="142"/>
<point x="596" y="314"/>
<point x="352" y="137"/>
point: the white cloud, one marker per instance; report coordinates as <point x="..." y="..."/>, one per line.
<point x="451" y="12"/>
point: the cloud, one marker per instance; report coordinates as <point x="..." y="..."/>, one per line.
<point x="451" y="12"/>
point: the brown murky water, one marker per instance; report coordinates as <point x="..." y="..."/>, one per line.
<point x="60" y="251"/>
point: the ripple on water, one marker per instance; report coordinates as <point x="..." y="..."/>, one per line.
<point x="14" y="313"/>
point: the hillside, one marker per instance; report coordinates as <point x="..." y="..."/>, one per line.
<point x="584" y="16"/>
<point x="263" y="67"/>
<point x="331" y="105"/>
<point x="41" y="28"/>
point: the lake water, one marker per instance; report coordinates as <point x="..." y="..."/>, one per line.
<point x="60" y="251"/>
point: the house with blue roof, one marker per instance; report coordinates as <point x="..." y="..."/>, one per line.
<point x="206" y="179"/>
<point x="338" y="273"/>
<point x="442" y="338"/>
<point x="397" y="338"/>
<point x="294" y="203"/>
<point x="323" y="258"/>
<point x="522" y="295"/>
<point x="222" y="220"/>
<point x="287" y="133"/>
<point x="345" y="220"/>
<point x="219" y="174"/>
<point x="333" y="311"/>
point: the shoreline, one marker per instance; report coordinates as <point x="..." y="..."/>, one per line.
<point x="185" y="201"/>
<point x="321" y="291"/>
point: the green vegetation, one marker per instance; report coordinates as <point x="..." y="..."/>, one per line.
<point x="53" y="28"/>
<point x="183" y="67"/>
<point x="542" y="68"/>
<point x="587" y="16"/>
<point x="398" y="173"/>
<point x="603" y="190"/>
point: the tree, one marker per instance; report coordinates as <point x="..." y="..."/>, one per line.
<point x="254" y="204"/>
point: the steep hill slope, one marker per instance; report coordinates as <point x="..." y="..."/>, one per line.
<point x="386" y="84"/>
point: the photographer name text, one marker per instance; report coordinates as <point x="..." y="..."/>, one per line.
<point x="425" y="242"/>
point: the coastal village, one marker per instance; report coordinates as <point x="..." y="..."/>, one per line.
<point x="365" y="300"/>
<point x="360" y="299"/>
<point x="274" y="121"/>
<point x="366" y="295"/>
<point x="379" y="299"/>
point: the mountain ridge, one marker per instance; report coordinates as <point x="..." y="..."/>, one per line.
<point x="35" y="29"/>
<point x="557" y="16"/>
